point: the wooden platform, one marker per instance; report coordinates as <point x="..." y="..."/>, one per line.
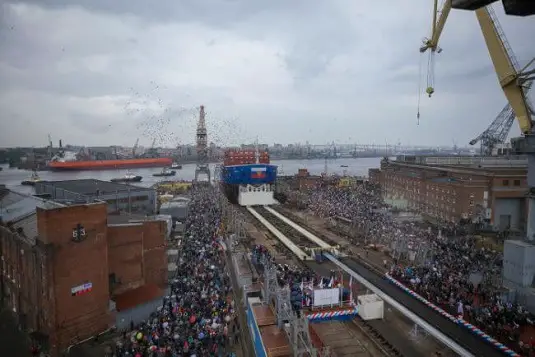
<point x="264" y="315"/>
<point x="275" y="341"/>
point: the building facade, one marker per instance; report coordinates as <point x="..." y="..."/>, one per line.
<point x="64" y="266"/>
<point x="119" y="197"/>
<point x="490" y="195"/>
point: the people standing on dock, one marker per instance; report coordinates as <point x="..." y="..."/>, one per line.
<point x="455" y="273"/>
<point x="194" y="319"/>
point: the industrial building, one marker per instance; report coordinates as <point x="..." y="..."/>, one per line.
<point x="177" y="208"/>
<point x="489" y="191"/>
<point x="119" y="197"/>
<point x="71" y="271"/>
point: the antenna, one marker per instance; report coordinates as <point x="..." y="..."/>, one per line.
<point x="257" y="153"/>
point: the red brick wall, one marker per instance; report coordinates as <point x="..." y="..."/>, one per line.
<point x="76" y="263"/>
<point x="125" y="247"/>
<point x="154" y="253"/>
<point x="137" y="254"/>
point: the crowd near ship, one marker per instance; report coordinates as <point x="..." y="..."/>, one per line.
<point x="248" y="178"/>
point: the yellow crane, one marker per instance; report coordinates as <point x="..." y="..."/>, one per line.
<point x="511" y="7"/>
<point x="514" y="83"/>
<point x="512" y="80"/>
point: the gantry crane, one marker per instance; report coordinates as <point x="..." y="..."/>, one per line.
<point x="511" y="7"/>
<point x="514" y="84"/>
<point x="498" y="130"/>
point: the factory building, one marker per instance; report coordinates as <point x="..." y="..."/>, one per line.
<point x="177" y="208"/>
<point x="451" y="190"/>
<point x="119" y="197"/>
<point x="71" y="271"/>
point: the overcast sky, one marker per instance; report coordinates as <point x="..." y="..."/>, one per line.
<point x="102" y="72"/>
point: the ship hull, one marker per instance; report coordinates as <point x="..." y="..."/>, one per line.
<point x="249" y="184"/>
<point x="126" y="180"/>
<point x="109" y="164"/>
<point x="167" y="174"/>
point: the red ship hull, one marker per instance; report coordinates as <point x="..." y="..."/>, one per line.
<point x="109" y="164"/>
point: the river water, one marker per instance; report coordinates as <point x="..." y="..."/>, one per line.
<point x="355" y="167"/>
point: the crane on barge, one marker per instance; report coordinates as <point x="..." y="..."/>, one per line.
<point x="514" y="83"/>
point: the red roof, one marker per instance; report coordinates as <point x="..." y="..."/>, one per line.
<point x="138" y="296"/>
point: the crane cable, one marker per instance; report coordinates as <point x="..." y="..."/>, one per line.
<point x="419" y="90"/>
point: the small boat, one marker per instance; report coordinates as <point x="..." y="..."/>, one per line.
<point x="176" y="166"/>
<point x="165" y="172"/>
<point x="343" y="166"/>
<point x="32" y="180"/>
<point x="128" y="177"/>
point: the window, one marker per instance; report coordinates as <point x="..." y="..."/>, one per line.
<point x="505" y="182"/>
<point x="517" y="183"/>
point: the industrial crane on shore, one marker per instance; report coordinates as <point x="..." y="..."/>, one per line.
<point x="514" y="82"/>
<point x="498" y="130"/>
<point x="511" y="7"/>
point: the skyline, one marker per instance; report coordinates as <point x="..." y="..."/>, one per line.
<point x="95" y="71"/>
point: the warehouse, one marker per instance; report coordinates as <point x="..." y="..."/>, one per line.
<point x="493" y="195"/>
<point x="177" y="208"/>
<point x="69" y="270"/>
<point x="120" y="197"/>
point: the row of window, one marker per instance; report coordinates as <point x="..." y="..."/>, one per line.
<point x="507" y="182"/>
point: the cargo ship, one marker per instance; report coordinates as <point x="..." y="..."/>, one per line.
<point x="248" y="178"/>
<point x="76" y="165"/>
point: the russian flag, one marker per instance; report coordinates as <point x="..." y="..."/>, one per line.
<point x="258" y="172"/>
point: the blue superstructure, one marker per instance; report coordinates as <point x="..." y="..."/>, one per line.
<point x="252" y="174"/>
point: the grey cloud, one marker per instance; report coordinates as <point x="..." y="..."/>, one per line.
<point x="331" y="68"/>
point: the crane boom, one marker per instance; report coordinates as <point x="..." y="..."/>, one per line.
<point x="431" y="43"/>
<point x="438" y="25"/>
<point x="509" y="78"/>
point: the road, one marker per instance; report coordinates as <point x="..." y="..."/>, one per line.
<point x="458" y="333"/>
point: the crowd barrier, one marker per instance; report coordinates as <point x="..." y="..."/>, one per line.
<point x="500" y="346"/>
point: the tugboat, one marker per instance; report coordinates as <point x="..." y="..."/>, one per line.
<point x="343" y="166"/>
<point x="128" y="177"/>
<point x="176" y="166"/>
<point x="165" y="172"/>
<point x="32" y="180"/>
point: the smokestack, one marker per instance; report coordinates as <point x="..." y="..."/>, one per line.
<point x="60" y="145"/>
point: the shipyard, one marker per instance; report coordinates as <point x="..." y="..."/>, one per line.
<point x="204" y="206"/>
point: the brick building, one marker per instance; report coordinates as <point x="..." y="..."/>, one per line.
<point x="66" y="267"/>
<point x="493" y="195"/>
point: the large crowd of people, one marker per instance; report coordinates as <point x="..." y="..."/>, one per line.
<point x="197" y="318"/>
<point x="455" y="273"/>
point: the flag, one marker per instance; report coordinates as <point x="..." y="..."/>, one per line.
<point x="320" y="285"/>
<point x="351" y="289"/>
<point x="258" y="172"/>
<point x="331" y="282"/>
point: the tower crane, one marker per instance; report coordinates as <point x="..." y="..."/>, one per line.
<point x="134" y="148"/>
<point x="513" y="83"/>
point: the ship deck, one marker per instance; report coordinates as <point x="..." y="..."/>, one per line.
<point x="274" y="339"/>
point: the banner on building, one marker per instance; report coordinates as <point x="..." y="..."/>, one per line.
<point x="324" y="297"/>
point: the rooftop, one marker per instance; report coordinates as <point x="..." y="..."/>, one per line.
<point x="90" y="187"/>
<point x="16" y="206"/>
<point x="19" y="210"/>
